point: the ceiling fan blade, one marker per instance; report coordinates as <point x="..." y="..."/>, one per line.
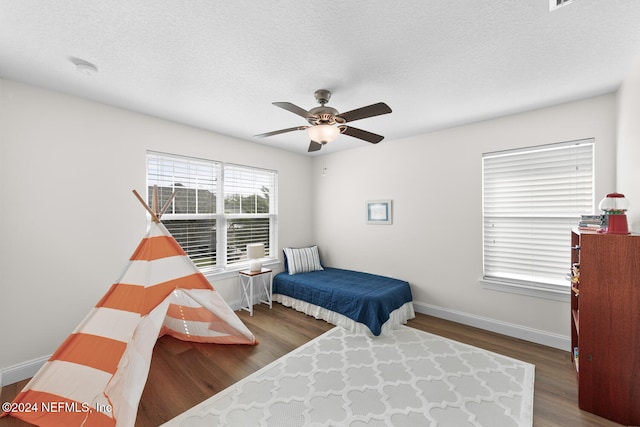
<point x="295" y="109"/>
<point x="364" y="112"/>
<point x="361" y="134"/>
<point x="314" y="146"/>
<point x="276" y="132"/>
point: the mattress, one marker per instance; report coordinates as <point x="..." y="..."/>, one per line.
<point x="363" y="297"/>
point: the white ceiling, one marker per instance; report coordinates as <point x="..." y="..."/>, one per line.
<point x="219" y="65"/>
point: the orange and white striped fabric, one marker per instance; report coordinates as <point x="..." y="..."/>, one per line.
<point x="96" y="377"/>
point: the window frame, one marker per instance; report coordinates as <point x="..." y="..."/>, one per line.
<point x="222" y="267"/>
<point x="558" y="289"/>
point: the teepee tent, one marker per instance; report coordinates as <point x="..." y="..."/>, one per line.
<point x="96" y="377"/>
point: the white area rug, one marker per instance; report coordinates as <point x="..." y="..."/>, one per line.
<point x="408" y="378"/>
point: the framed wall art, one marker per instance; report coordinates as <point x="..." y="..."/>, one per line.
<point x="379" y="212"/>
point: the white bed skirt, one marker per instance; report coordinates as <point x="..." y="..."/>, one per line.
<point x="396" y="318"/>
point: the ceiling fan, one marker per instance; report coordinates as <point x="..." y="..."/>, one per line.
<point x="326" y="123"/>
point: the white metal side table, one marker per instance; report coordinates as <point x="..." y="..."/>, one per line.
<point x="248" y="279"/>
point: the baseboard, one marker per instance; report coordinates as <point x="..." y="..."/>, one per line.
<point x="22" y="371"/>
<point x="510" y="329"/>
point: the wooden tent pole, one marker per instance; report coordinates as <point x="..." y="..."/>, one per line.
<point x="154" y="217"/>
<point x="154" y="200"/>
<point x="166" y="205"/>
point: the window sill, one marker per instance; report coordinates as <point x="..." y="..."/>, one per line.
<point x="233" y="271"/>
<point x="547" y="291"/>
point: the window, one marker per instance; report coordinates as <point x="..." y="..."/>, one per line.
<point x="531" y="199"/>
<point x="218" y="208"/>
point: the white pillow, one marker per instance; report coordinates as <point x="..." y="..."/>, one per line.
<point x="302" y="260"/>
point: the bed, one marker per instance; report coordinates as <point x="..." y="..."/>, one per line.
<point x="358" y="301"/>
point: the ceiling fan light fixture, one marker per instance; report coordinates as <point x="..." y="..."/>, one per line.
<point x="327" y="123"/>
<point x="323" y="133"/>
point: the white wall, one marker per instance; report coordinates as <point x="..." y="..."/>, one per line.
<point x="628" y="152"/>
<point x="435" y="241"/>
<point x="68" y="219"/>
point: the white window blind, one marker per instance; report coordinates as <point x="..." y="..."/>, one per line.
<point x="218" y="208"/>
<point x="194" y="181"/>
<point x="248" y="209"/>
<point x="531" y="199"/>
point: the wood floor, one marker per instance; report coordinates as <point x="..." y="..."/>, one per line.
<point x="184" y="374"/>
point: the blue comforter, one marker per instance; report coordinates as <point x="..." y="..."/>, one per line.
<point x="363" y="297"/>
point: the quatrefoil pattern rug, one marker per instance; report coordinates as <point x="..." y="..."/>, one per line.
<point x="408" y="378"/>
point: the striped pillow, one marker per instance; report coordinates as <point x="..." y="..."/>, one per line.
<point x="302" y="260"/>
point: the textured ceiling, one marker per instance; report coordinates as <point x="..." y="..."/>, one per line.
<point x="219" y="65"/>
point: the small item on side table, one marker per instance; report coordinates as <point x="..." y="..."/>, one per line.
<point x="255" y="252"/>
